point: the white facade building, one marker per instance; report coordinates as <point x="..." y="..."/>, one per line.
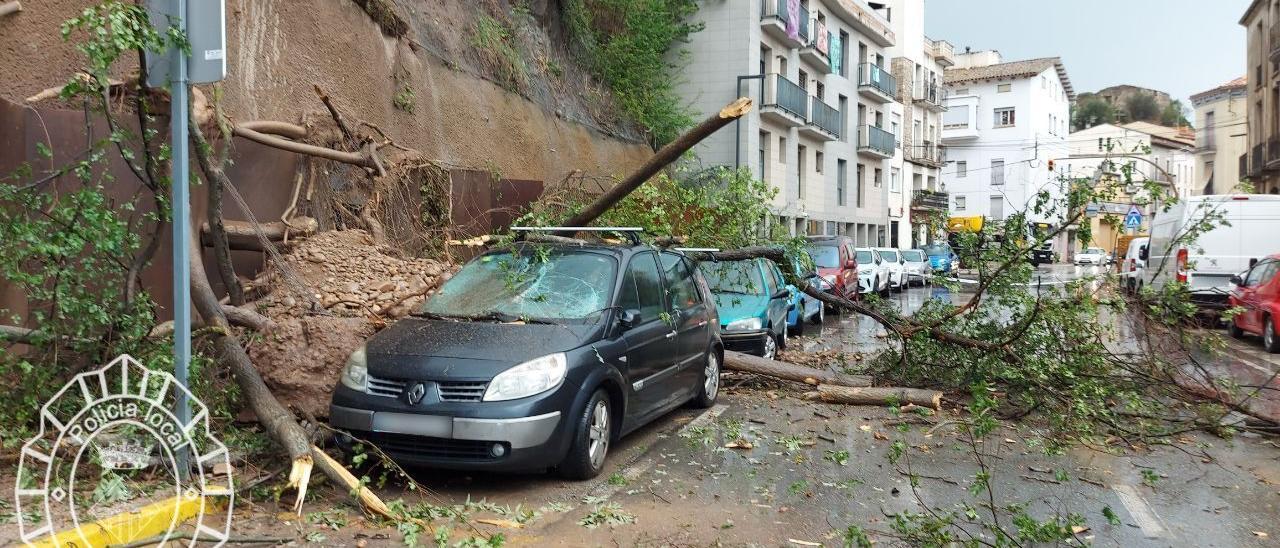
<point x="915" y="185"/>
<point x="1004" y="121"/>
<point x="1221" y="136"/>
<point x="819" y="133"/>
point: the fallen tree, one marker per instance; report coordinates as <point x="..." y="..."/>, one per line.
<point x="737" y="361"/>
<point x="869" y="395"/>
<point x="243" y="235"/>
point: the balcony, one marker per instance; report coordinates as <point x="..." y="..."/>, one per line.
<point x="875" y="142"/>
<point x="932" y="96"/>
<point x="1273" y="154"/>
<point x="1205" y="142"/>
<point x="776" y="22"/>
<point x="930" y="200"/>
<point x="875" y="83"/>
<point x="865" y="21"/>
<point x="1257" y="159"/>
<point x="1274" y="35"/>
<point x="816" y="43"/>
<point x="1244" y="165"/>
<point x="928" y="154"/>
<point x="941" y="51"/>
<point x="959" y="120"/>
<point x="783" y="101"/>
<point x="823" y="121"/>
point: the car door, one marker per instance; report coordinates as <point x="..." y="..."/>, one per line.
<point x="780" y="305"/>
<point x="692" y="317"/>
<point x="651" y="341"/>
<point x="1255" y="280"/>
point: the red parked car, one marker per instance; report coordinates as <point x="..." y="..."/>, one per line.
<point x="1258" y="292"/>
<point x="837" y="263"/>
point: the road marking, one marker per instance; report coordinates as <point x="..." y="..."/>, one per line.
<point x="1142" y="513"/>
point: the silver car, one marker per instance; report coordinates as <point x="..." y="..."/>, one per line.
<point x="916" y="265"/>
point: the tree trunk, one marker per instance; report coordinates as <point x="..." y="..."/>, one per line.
<point x="216" y="178"/>
<point x="878" y="396"/>
<point x="737" y="361"/>
<point x="242" y="236"/>
<point x="665" y="156"/>
<point x="10" y="7"/>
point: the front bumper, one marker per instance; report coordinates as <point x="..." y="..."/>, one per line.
<point x="864" y="285"/>
<point x="747" y="342"/>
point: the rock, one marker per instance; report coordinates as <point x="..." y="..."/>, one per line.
<point x="353" y="287"/>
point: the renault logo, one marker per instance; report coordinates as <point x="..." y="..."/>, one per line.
<point x="415" y="393"/>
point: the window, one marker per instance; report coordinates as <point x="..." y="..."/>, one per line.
<point x="803" y="80"/>
<point x="1004" y="88"/>
<point x="1004" y="117"/>
<point x="821" y="90"/>
<point x="997" y="172"/>
<point x="764" y="155"/>
<point x="844" y="118"/>
<point x="802" y="163"/>
<point x="879" y="175"/>
<point x="997" y="208"/>
<point x="642" y="288"/>
<point x="894" y="173"/>
<point x="782" y="150"/>
<point x="959" y="203"/>
<point x="818" y="160"/>
<point x="859" y="182"/>
<point x="842" y="175"/>
<point x="684" y="294"/>
<point x="844" y="54"/>
<point x="962" y="169"/>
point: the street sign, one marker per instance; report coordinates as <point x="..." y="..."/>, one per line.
<point x="1133" y="219"/>
<point x="206" y="28"/>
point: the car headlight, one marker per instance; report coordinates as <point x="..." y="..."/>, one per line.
<point x="532" y="377"/>
<point x="744" y="324"/>
<point x="355" y="375"/>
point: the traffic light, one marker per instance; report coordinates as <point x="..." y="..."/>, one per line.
<point x="1050" y="165"/>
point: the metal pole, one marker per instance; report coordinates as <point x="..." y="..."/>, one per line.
<point x="737" y="124"/>
<point x="181" y="229"/>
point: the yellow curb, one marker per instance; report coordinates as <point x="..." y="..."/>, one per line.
<point x="146" y="522"/>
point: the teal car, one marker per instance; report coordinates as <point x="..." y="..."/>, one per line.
<point x="753" y="301"/>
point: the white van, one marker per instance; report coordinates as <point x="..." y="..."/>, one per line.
<point x="1207" y="264"/>
<point x="1134" y="264"/>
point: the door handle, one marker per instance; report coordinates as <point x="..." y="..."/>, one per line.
<point x="669" y="335"/>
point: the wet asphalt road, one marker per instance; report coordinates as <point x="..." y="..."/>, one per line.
<point x="813" y="469"/>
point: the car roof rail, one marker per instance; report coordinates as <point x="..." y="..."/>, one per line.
<point x="631" y="232"/>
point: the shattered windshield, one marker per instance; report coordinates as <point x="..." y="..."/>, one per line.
<point x="534" y="284"/>
<point x="742" y="277"/>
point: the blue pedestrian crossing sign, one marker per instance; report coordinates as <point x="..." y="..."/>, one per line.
<point x="1134" y="218"/>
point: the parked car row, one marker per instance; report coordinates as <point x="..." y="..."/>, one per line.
<point x="539" y="356"/>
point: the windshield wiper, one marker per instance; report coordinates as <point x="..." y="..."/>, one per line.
<point x="438" y="316"/>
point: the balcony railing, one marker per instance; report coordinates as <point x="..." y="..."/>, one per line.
<point x="1257" y="159"/>
<point x="1244" y="165"/>
<point x="780" y="92"/>
<point x="875" y="139"/>
<point x="778" y="9"/>
<point x="933" y="94"/>
<point x="824" y="116"/>
<point x="874" y="76"/>
<point x="929" y="199"/>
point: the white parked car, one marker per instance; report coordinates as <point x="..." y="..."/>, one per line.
<point x="1091" y="256"/>
<point x="873" y="274"/>
<point x="916" y="263"/>
<point x="1207" y="265"/>
<point x="1134" y="265"/>
<point x="892" y="260"/>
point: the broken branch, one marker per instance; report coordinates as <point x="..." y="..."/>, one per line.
<point x="737" y="361"/>
<point x="877" y="396"/>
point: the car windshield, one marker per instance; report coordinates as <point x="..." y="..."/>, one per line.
<point x="937" y="249"/>
<point x="560" y="285"/>
<point x="742" y="277"/>
<point x="1094" y="251"/>
<point x="913" y="255"/>
<point x="889" y="255"/>
<point x="825" y="256"/>
<point x="864" y="257"/>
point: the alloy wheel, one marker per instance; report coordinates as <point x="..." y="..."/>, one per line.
<point x="770" y="347"/>
<point x="598" y="433"/>
<point x="1269" y="334"/>
<point x="711" y="383"/>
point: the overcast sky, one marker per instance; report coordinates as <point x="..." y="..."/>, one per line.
<point x="1178" y="46"/>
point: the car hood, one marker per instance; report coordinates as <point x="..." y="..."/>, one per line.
<point x="442" y="349"/>
<point x="939" y="259"/>
<point x="733" y="306"/>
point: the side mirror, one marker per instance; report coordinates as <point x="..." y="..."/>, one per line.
<point x="782" y="294"/>
<point x="1142" y="252"/>
<point x="630" y="317"/>
<point x="1237" y="281"/>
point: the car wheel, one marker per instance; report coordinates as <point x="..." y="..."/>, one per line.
<point x="1234" y="330"/>
<point x="798" y="330"/>
<point x="885" y="291"/>
<point x="782" y="338"/>
<point x="770" y="347"/>
<point x="710" y="381"/>
<point x="590" y="440"/>
<point x="1269" y="339"/>
<point x="821" y="316"/>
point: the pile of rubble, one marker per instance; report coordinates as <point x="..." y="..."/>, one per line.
<point x="333" y="291"/>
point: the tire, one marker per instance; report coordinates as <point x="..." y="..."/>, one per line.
<point x="821" y="316"/>
<point x="710" y="381"/>
<point x="798" y="330"/>
<point x="782" y="338"/>
<point x="1270" y="339"/>
<point x="1234" y="330"/>
<point x="770" y="351"/>
<point x="590" y="440"/>
<point x="884" y="293"/>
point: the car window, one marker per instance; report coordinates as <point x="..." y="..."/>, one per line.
<point x="775" y="276"/>
<point x="1094" y="251"/>
<point x="913" y="255"/>
<point x="825" y="256"/>
<point x="741" y="277"/>
<point x="888" y="255"/>
<point x="680" y="287"/>
<point x="1260" y="273"/>
<point x="864" y="257"/>
<point x="937" y="249"/>
<point x="560" y="285"/>
<point x="642" y="287"/>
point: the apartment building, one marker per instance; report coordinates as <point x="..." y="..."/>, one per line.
<point x="1261" y="165"/>
<point x="1004" y="121"/>
<point x="820" y="134"/>
<point x="1169" y="159"/>
<point x="915" y="175"/>
<point x="1221" y="136"/>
